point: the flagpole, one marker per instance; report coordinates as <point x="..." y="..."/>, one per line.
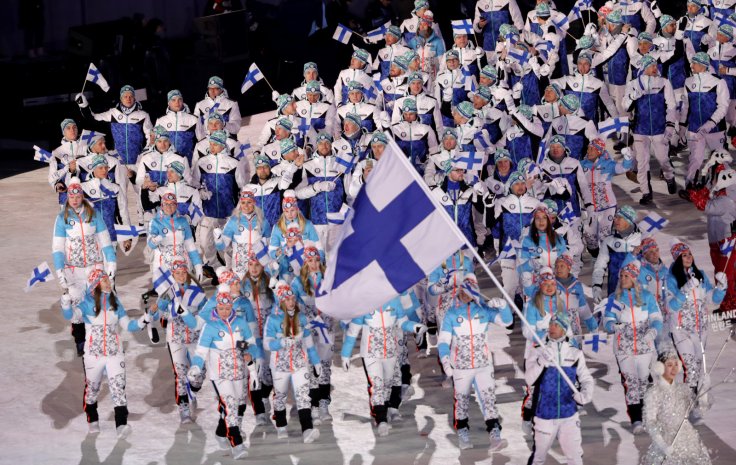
<point x="482" y="263"/>
<point x="266" y="79"/>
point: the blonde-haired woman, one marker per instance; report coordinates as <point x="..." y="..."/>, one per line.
<point x="288" y="236"/>
<point x="632" y="315"/>
<point x="292" y="353"/>
<point x="322" y="327"/>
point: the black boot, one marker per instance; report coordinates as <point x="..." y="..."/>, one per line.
<point x="671" y="186"/>
<point x="305" y="419"/>
<point x="593" y="252"/>
<point x="488" y="249"/>
<point x="91" y="411"/>
<point x="646" y="199"/>
<point x="209" y="273"/>
<point x="79" y="334"/>
<point x="121" y="416"/>
<point x="685" y="193"/>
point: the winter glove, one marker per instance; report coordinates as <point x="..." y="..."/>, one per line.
<point x="419" y="330"/>
<point x="274" y="95"/>
<point x="721" y="280"/>
<point x="691" y="284"/>
<point x="597" y="293"/>
<point x="345" y="363"/>
<point x="582" y="397"/>
<point x="144" y="319"/>
<point x="253" y="381"/>
<point x="590" y="29"/>
<point x="61" y="277"/>
<point x="66" y="300"/>
<point x="707" y="127"/>
<point x="110" y="268"/>
<point x="496" y="302"/>
<point x="324" y="186"/>
<point x="447" y="366"/>
<point x="156" y="240"/>
<point x="273" y="282"/>
<point x="81" y="100"/>
<point x="527" y="279"/>
<point x="626" y="152"/>
<point x="558" y="186"/>
<point x="480" y="188"/>
<point x="199" y="272"/>
<point x="204" y="194"/>
<point x="317" y="370"/>
<point x="194" y="373"/>
<point x="543" y="324"/>
<point x="217" y="234"/>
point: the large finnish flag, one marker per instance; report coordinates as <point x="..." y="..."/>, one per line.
<point x="395" y="235"/>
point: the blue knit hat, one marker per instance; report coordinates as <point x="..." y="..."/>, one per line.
<point x="98" y="160"/>
<point x="285" y="123"/>
<point x="310" y="65"/>
<point x="283" y="101"/>
<point x="489" y="72"/>
<point x="213" y="115"/>
<point x="525" y="111"/>
<point x="287" y="145"/>
<point x="516" y="177"/>
<point x="615" y="17"/>
<point x="571" y="102"/>
<point x="173" y="93"/>
<point x="502" y="154"/>
<point x="586" y="56"/>
<point x="452" y="54"/>
<point x="542" y="10"/>
<point x="127" y="88"/>
<point x="558" y="139"/>
<point x="415" y="76"/>
<point x="261" y="160"/>
<point x="448" y="132"/>
<point x="465" y="109"/>
<point x="95" y="137"/>
<point x="410" y="55"/>
<point x="394" y="31"/>
<point x="586" y="42"/>
<point x="216" y="81"/>
<point x="646" y="61"/>
<point x="645" y="37"/>
<point x="484" y="93"/>
<point x="379" y="137"/>
<point x="354" y="117"/>
<point x="313" y="87"/>
<point x="409" y="106"/>
<point x="160" y="133"/>
<point x="67" y="122"/>
<point x="726" y="30"/>
<point x="664" y="20"/>
<point x="324" y="136"/>
<point x="401" y="63"/>
<point x="355" y="86"/>
<point x="178" y="167"/>
<point x="362" y="55"/>
<point x="219" y="137"/>
<point x="562" y="320"/>
<point x="701" y="58"/>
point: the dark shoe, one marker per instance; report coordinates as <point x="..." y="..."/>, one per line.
<point x="631" y="176"/>
<point x="209" y="273"/>
<point x="593" y="252"/>
<point x="684" y="194"/>
<point x="671" y="186"/>
<point x="80" y="349"/>
<point x="487" y="250"/>
<point x="646" y="199"/>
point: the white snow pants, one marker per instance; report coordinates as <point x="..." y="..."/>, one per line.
<point x="660" y="147"/>
<point x="697" y="144"/>
<point x="567" y="430"/>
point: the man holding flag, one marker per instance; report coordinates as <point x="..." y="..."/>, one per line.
<point x="720" y="213"/>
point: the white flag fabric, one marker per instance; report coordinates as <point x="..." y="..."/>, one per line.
<point x="41" y="154"/>
<point x="254" y="75"/>
<point x="40" y="274"/>
<point x="95" y="76"/>
<point x="394" y="236"/>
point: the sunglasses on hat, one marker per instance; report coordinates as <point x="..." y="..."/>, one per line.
<point x="291" y="234"/>
<point x="224" y="300"/>
<point x="286" y="293"/>
<point x="169" y="198"/>
<point x="75" y="190"/>
<point x="178" y="266"/>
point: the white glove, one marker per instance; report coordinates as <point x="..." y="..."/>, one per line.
<point x="626" y="152"/>
<point x="558" y="186"/>
<point x="527" y="279"/>
<point x="274" y="95"/>
<point x="597" y="293"/>
<point x="590" y="29"/>
<point x="345" y="363"/>
<point x="419" y="330"/>
<point x="480" y="188"/>
<point x="544" y="70"/>
<point x="273" y="282"/>
<point x="447" y="366"/>
<point x="156" y="240"/>
<point x="110" y="268"/>
<point x="318" y="369"/>
<point x="669" y="133"/>
<point x="496" y="302"/>
<point x="81" y="100"/>
<point x="205" y="194"/>
<point x="691" y="284"/>
<point x="193" y="374"/>
<point x="721" y="280"/>
<point x="545" y="357"/>
<point x="66" y="300"/>
<point x="479" y="52"/>
<point x="253" y="381"/>
<point x="217" y="233"/>
<point x="544" y="322"/>
<point x="324" y="186"/>
<point x="707" y="127"/>
<point x="61" y="277"/>
<point x="581" y="398"/>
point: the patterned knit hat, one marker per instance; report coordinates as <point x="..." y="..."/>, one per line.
<point x="678" y="249"/>
<point x="726" y="30"/>
<point x="631" y="268"/>
<point x="489" y="72"/>
<point x="546" y="274"/>
<point x="647" y="244"/>
<point x="566" y="259"/>
<point x="216" y="81"/>
<point x="67" y="122"/>
<point x="615" y="17"/>
<point x="571" y="102"/>
<point x="177" y="167"/>
<point x="285" y="123"/>
<point x="585" y="43"/>
<point x="465" y="109"/>
<point x="94" y="279"/>
<point x="646" y="61"/>
<point x="287" y="146"/>
<point x="701" y="58"/>
<point x="542" y="10"/>
<point x="645" y="37"/>
<point x="172" y="94"/>
<point x="313" y="87"/>
<point x="628" y="213"/>
<point x="664" y="20"/>
<point x="562" y="320"/>
<point x="310" y="65"/>
<point x="379" y="137"/>
<point x="362" y="55"/>
<point x="219" y="137"/>
<point x="283" y="101"/>
<point x="98" y="160"/>
<point x="127" y="88"/>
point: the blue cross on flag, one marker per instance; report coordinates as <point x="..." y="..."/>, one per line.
<point x="372" y="37"/>
<point x="41" y="154"/>
<point x="40" y="274"/>
<point x="193" y="296"/>
<point x="129" y="231"/>
<point x="319" y="324"/>
<point x="345" y="160"/>
<point x="260" y="249"/>
<point x="295" y="255"/>
<point x="377" y="82"/>
<point x="87" y="136"/>
<point x="562" y="24"/>
<point x="395" y="236"/>
<point x="254" y="75"/>
<point x="727" y="246"/>
<point x="522" y="56"/>
<point x="611" y="125"/>
<point x="242" y="150"/>
<point x="595" y="339"/>
<point x="94" y="76"/>
<point x="652" y="223"/>
<point x="342" y="34"/>
<point x="338" y="217"/>
<point x="462" y="26"/>
<point x="469" y="161"/>
<point x="162" y="280"/>
<point x="722" y="18"/>
<point x="567" y="214"/>
<point x="195" y="214"/>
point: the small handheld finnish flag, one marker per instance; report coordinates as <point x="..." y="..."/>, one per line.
<point x="195" y="214"/>
<point x="594" y="340"/>
<point x="87" y="136"/>
<point x="254" y="75"/>
<point x="567" y="214"/>
<point x="652" y="223"/>
<point x="242" y="150"/>
<point x="94" y="76"/>
<point x="342" y="34"/>
<point x="193" y="296"/>
<point x="372" y="37"/>
<point x="345" y="160"/>
<point x="128" y="230"/>
<point x="40" y="274"/>
<point x="611" y="125"/>
<point x="296" y="257"/>
<point x="469" y="161"/>
<point x="727" y="246"/>
<point x="162" y="280"/>
<point x="41" y="154"/>
<point x="462" y="26"/>
<point x="260" y="249"/>
<point x="338" y="217"/>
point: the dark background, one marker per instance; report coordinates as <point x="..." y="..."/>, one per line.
<point x="160" y="45"/>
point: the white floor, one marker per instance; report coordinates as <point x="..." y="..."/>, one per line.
<point x="41" y="419"/>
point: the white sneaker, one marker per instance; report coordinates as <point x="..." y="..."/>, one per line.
<point x="637" y="427"/>
<point x="239" y="452"/>
<point x="527" y="427"/>
<point x="94" y="427"/>
<point x="407" y="391"/>
<point x="123" y="431"/>
<point x="394" y="415"/>
<point x="316" y="420"/>
<point x="310" y="435"/>
<point x="383" y="428"/>
<point x="185" y="415"/>
<point x="281" y="432"/>
<point x="261" y="419"/>
<point x="324" y="411"/>
<point x="223" y="442"/>
<point x="463" y="436"/>
<point x="496" y="442"/>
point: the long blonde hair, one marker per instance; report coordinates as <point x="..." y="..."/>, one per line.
<point x="89" y="211"/>
<point x="239" y="213"/>
<point x="637" y="292"/>
<point x="300" y="218"/>
<point x="539" y="301"/>
<point x="304" y="277"/>
<point x="291" y="323"/>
